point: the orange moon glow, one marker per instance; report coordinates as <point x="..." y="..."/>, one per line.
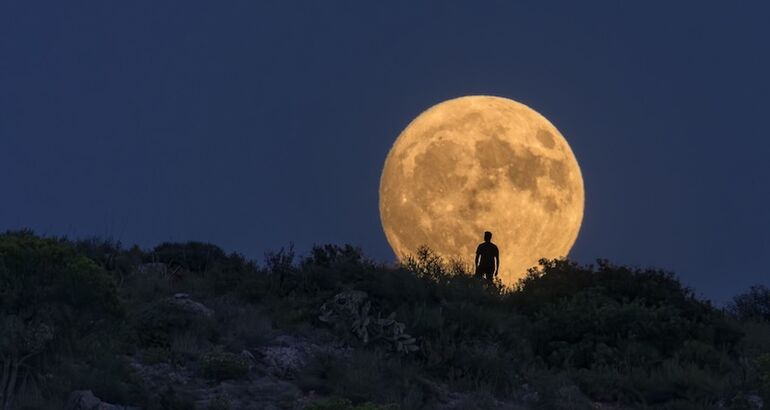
<point x="482" y="163"/>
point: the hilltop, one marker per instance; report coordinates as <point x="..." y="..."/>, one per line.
<point x="84" y="323"/>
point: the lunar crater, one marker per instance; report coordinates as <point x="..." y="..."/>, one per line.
<point x="545" y="138"/>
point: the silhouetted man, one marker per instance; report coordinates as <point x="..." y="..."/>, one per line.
<point x="487" y="258"/>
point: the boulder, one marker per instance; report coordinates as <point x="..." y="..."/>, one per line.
<point x="284" y="361"/>
<point x="347" y="305"/>
<point x="183" y="301"/>
<point x="287" y="354"/>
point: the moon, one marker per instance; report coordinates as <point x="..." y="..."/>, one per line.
<point x="482" y="163"/>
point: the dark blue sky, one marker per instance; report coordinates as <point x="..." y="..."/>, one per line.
<point x="251" y="124"/>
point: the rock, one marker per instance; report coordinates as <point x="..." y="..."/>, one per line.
<point x="248" y="356"/>
<point x="747" y="401"/>
<point x="85" y="400"/>
<point x="352" y="309"/>
<point x="251" y="392"/>
<point x="82" y="400"/>
<point x="529" y="396"/>
<point x="183" y="301"/>
<point x="287" y="354"/>
<point x="756" y="401"/>
<point x="283" y="361"/>
<point x="161" y="374"/>
<point x="345" y="304"/>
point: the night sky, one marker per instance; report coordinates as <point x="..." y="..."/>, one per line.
<point x="252" y="124"/>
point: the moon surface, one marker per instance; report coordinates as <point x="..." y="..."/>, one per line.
<point x="482" y="163"/>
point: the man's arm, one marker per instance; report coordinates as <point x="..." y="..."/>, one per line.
<point x="497" y="261"/>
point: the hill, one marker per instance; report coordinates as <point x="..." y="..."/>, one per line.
<point x="187" y="325"/>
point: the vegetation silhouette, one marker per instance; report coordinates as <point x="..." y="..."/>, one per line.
<point x="87" y="314"/>
<point x="753" y="305"/>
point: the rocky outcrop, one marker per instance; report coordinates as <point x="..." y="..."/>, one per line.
<point x="257" y="390"/>
<point x="286" y="355"/>
<point x="353" y="310"/>
<point x="184" y="303"/>
<point x="271" y="382"/>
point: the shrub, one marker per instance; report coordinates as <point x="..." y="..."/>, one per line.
<point x="366" y="376"/>
<point x="171" y="400"/>
<point x="585" y="316"/>
<point x="163" y="320"/>
<point x="109" y="376"/>
<point x="344" y="404"/>
<point x="51" y="299"/>
<point x="219" y="403"/>
<point x="193" y="256"/>
<point x="330" y="404"/>
<point x="334" y="256"/>
<point x="762" y="366"/>
<point x="752" y="305"/>
<point x="154" y="355"/>
<point x="188" y="346"/>
<point x="110" y="255"/>
<point x="224" y="365"/>
<point x="559" y="279"/>
<point x="240" y="325"/>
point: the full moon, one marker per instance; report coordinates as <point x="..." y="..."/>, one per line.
<point x="482" y="163"/>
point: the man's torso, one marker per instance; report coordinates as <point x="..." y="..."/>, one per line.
<point x="488" y="252"/>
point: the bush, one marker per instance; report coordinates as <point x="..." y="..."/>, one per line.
<point x="752" y="305"/>
<point x="52" y="301"/>
<point x="240" y="325"/>
<point x="617" y="315"/>
<point x="188" y="346"/>
<point x="366" y="376"/>
<point x="193" y="256"/>
<point x="108" y="376"/>
<point x="155" y="355"/>
<point x="110" y="255"/>
<point x="224" y="365"/>
<point x="344" y="404"/>
<point x="171" y="400"/>
<point x="219" y="403"/>
<point x="159" y="323"/>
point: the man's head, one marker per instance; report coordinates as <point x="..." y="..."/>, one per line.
<point x="487" y="236"/>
